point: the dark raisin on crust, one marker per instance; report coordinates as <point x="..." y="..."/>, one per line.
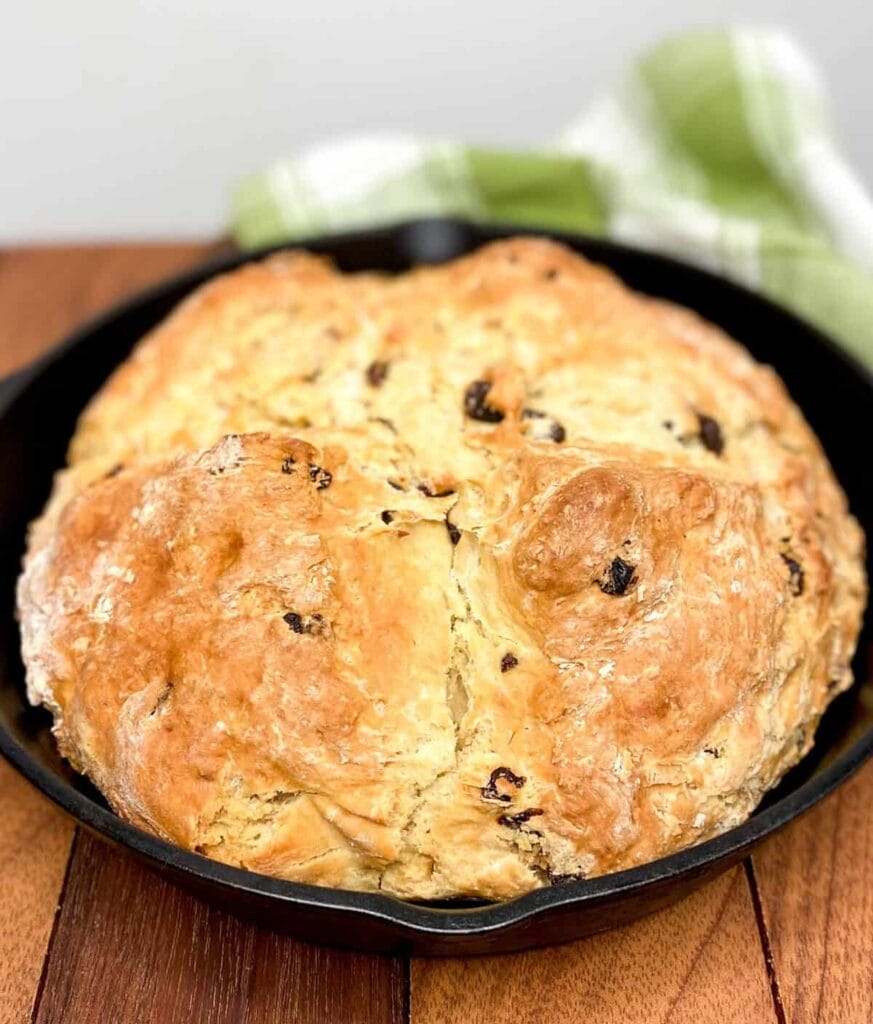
<point x="475" y="405"/>
<point x="314" y="625"/>
<point x="454" y="532"/>
<point x="288" y="464"/>
<point x="710" y="433"/>
<point x="557" y="432"/>
<point x="515" y="821"/>
<point x="429" y="493"/>
<point x="796" y="575"/>
<point x="712" y="751"/>
<point x="551" y="274"/>
<point x="619" y="577"/>
<point x="320" y="477"/>
<point x="491" y="792"/>
<point x="377" y="371"/>
<point x="116" y="469"/>
<point x="396" y="486"/>
<point x="387" y="517"/>
<point x="508" y="661"/>
<point x="667" y="424"/>
<point x="295" y="622"/>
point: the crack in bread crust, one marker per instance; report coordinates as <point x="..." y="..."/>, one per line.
<point x="499" y="572"/>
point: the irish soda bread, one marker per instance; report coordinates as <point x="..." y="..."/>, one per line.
<point x="466" y="581"/>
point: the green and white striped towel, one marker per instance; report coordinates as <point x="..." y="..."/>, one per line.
<point x="716" y="147"/>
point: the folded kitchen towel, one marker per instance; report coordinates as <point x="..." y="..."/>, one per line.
<point x="716" y="147"/>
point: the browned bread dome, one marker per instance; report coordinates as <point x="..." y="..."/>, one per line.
<point x="464" y="581"/>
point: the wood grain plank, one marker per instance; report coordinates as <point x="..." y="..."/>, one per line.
<point x="814" y="881"/>
<point x="34" y="845"/>
<point x="45" y="292"/>
<point x="130" y="947"/>
<point x="304" y="984"/>
<point x="698" y="961"/>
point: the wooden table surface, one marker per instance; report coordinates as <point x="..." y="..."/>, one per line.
<point x="87" y="935"/>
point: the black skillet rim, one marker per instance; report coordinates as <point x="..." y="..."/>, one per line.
<point x="412" y="919"/>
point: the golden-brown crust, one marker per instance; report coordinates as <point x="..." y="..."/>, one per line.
<point x="452" y="583"/>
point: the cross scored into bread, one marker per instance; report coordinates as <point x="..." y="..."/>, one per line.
<point x="461" y="582"/>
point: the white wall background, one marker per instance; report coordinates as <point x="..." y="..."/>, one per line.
<point x="122" y="118"/>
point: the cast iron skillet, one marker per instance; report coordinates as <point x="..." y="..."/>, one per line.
<point x="38" y="408"/>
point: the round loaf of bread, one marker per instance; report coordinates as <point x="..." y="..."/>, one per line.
<point x="461" y="582"/>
